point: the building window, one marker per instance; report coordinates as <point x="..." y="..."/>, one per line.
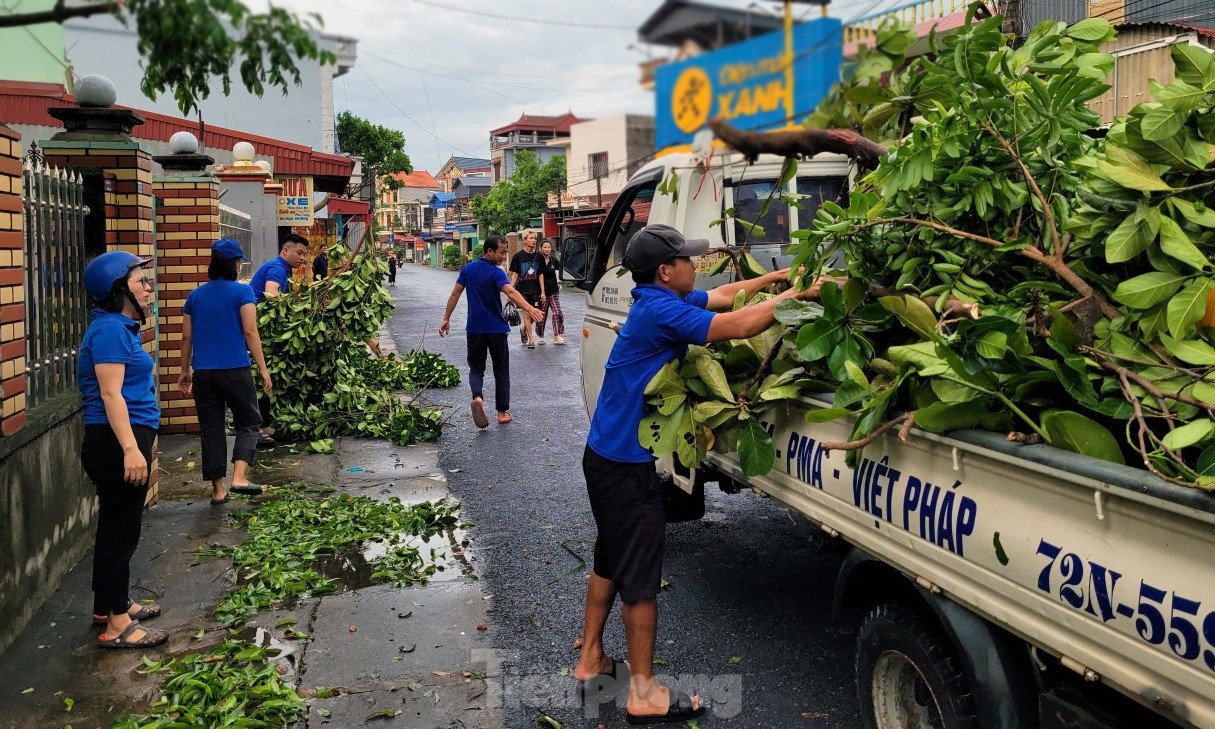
<point x="597" y="165"/>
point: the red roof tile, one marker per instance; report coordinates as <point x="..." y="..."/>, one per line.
<point x="417" y="178"/>
<point x="530" y="122"/>
<point x="27" y="103"/>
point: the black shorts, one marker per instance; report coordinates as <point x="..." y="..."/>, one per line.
<point x="627" y="505"/>
<point x="531" y="297"/>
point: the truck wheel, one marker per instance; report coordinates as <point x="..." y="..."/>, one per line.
<point x="907" y="676"/>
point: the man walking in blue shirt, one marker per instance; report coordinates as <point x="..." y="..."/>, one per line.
<point x="487" y="328"/>
<point x="667" y="316"/>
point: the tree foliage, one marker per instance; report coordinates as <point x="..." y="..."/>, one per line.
<point x="192" y="47"/>
<point x="514" y="202"/>
<point x="1003" y="268"/>
<point x="382" y="149"/>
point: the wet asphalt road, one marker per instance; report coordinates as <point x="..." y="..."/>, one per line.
<point x="745" y="581"/>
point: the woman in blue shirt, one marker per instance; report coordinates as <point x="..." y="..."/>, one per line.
<point x="121" y="417"/>
<point x="218" y="355"/>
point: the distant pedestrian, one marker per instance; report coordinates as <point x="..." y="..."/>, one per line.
<point x="525" y="276"/>
<point x="320" y="264"/>
<point x="121" y="416"/>
<point x="215" y="369"/>
<point x="392" y="270"/>
<point x="550" y="294"/>
<point x="272" y="280"/>
<point x="487" y="327"/>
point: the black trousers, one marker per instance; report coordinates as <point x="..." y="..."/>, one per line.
<point x="215" y="391"/>
<point x="494" y="345"/>
<point x="119" y="514"/>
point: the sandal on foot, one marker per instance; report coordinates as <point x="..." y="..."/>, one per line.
<point x="478" y="414"/>
<point x="249" y="489"/>
<point x="150" y="638"/>
<point x="145" y="612"/>
<point x="540" y="340"/>
<point x="217" y="502"/>
<point x="266" y="441"/>
<point x="602" y="682"/>
<point x="504" y="419"/>
<point x="678" y="710"/>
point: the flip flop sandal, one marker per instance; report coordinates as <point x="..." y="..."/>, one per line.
<point x="678" y="710"/>
<point x="150" y="639"/>
<point x="217" y="502"/>
<point x="249" y="489"/>
<point x="145" y="612"/>
<point x="504" y="419"/>
<point x="601" y="682"/>
<point x="266" y="441"/>
<point x="478" y="414"/>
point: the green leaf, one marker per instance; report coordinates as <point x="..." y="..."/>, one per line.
<point x="1206" y="462"/>
<point x="1090" y="29"/>
<point x="1187" y="307"/>
<point x="991" y="345"/>
<point x="815" y="341"/>
<point x="1189" y="434"/>
<point x="1175" y="243"/>
<point x="667" y="404"/>
<point x="1193" y="64"/>
<point x="1148" y="289"/>
<point x="914" y="313"/>
<point x="1190" y="351"/>
<point x="735" y="660"/>
<point x="942" y="417"/>
<point x="1160" y="123"/>
<point x="1130" y="170"/>
<point x="657" y="434"/>
<point x="855" y="373"/>
<point x="1179" y="96"/>
<point x="825" y="415"/>
<point x="1204" y="218"/>
<point x="666" y="380"/>
<point x="756" y="452"/>
<point x="1074" y="432"/>
<point x="714" y="377"/>
<point x="1132" y="236"/>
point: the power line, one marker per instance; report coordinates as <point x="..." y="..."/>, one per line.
<point x="431" y="109"/>
<point x="534" y="76"/>
<point x="458" y="78"/>
<point x="537" y="21"/>
<point x="407" y="116"/>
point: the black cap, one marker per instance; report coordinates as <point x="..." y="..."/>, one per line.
<point x="654" y="245"/>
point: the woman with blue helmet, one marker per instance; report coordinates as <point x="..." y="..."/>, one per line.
<point x="121" y="417"/>
<point x="215" y="369"/>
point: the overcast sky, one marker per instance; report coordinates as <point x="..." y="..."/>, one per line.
<point x="445" y="77"/>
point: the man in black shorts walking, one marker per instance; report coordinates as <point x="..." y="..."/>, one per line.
<point x="667" y="316"/>
<point x="525" y="277"/>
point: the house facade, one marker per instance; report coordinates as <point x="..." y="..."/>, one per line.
<point x="457" y="167"/>
<point x="528" y="132"/>
<point x="406" y="210"/>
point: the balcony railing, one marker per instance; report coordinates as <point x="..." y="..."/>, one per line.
<point x="912" y="13"/>
<point x="515" y="139"/>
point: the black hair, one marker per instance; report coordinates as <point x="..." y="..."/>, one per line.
<point x="645" y="277"/>
<point x="292" y="239"/>
<point x="225" y="268"/>
<point x="493" y="242"/>
<point x="117" y="298"/>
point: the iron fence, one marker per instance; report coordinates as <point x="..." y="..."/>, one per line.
<point x="56" y="306"/>
<point x="238" y="226"/>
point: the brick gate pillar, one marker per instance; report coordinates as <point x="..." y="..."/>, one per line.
<point x="13" y="376"/>
<point x="187" y="223"/>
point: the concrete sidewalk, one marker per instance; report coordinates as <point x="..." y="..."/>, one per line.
<point x="414" y="650"/>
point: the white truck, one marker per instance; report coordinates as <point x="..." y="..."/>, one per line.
<point x="994" y="584"/>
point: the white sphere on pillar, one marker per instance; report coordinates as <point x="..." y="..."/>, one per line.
<point x="265" y="166"/>
<point x="243" y="152"/>
<point x="183" y="143"/>
<point x="96" y="91"/>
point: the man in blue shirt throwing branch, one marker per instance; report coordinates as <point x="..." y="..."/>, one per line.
<point x="272" y="279"/>
<point x="667" y="316"/>
<point x="487" y="328"/>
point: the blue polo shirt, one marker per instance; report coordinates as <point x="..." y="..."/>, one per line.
<point x="483" y="282"/>
<point x="219" y="338"/>
<point x="114" y="339"/>
<point x="276" y="270"/>
<point x="659" y="329"/>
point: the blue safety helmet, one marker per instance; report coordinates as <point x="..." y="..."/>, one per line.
<point x="107" y="270"/>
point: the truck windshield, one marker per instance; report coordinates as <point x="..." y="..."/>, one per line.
<point x="775" y="226"/>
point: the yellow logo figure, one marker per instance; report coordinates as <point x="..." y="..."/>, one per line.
<point x="691" y="100"/>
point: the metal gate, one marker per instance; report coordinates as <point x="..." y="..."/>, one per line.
<point x="56" y="306"/>
<point x="238" y="226"/>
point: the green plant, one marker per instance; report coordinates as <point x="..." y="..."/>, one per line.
<point x="236" y="684"/>
<point x="1001" y="268"/>
<point x="325" y="383"/>
<point x="289" y="535"/>
<point x="513" y="202"/>
<point x="452" y="258"/>
<point x="477" y="252"/>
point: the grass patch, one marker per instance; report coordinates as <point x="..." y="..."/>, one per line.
<point x="289" y="535"/>
<point x="236" y="684"/>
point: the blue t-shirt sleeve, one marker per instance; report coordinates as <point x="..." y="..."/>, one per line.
<point x="500" y="278"/>
<point x="682" y="322"/>
<point x="279" y="275"/>
<point x="460" y="279"/>
<point x="699" y="299"/>
<point x="246" y="295"/>
<point x="188" y="307"/>
<point x="111" y="346"/>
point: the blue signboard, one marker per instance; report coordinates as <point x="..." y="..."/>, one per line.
<point x="747" y="84"/>
<point x="460" y="227"/>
